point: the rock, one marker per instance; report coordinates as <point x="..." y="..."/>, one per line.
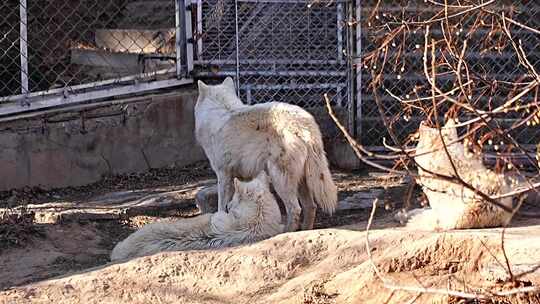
<point x="207" y="199"/>
<point x="116" y="205"/>
<point x="360" y="200"/>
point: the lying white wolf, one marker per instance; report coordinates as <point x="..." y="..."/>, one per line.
<point x="454" y="206"/>
<point x="253" y="216"/>
<point x="282" y="139"/>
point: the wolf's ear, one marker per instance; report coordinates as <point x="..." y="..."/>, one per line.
<point x="229" y="82"/>
<point x="451" y="123"/>
<point x="423" y="127"/>
<point x="203" y="88"/>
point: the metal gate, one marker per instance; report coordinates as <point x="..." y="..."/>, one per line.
<point x="278" y="50"/>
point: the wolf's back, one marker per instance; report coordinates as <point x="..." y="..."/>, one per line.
<point x="281" y="120"/>
<point x="274" y="117"/>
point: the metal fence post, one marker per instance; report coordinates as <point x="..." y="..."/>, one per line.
<point x="351" y="82"/>
<point x="180" y="35"/>
<point x="184" y="38"/>
<point x="237" y="47"/>
<point x="188" y="46"/>
<point x="340" y="24"/>
<point x="358" y="62"/>
<point x="199" y="29"/>
<point x="23" y="40"/>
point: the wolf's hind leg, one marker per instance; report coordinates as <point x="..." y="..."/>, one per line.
<point x="308" y="207"/>
<point x="287" y="190"/>
<point x="293" y="212"/>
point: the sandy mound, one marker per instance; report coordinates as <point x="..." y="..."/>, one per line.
<point x="320" y="266"/>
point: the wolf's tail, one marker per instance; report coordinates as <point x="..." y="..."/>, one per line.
<point x="319" y="179"/>
<point x="185" y="234"/>
<point x="206" y="231"/>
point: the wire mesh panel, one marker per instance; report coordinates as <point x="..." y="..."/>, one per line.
<point x="493" y="69"/>
<point x="287" y="51"/>
<point x="86" y="44"/>
<point x="75" y="42"/>
<point x="10" y="80"/>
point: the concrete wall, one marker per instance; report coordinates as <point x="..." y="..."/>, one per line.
<point x="78" y="146"/>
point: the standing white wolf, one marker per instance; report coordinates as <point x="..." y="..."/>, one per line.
<point x="282" y="139"/>
<point x="253" y="216"/>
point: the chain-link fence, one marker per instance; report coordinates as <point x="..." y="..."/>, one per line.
<point x="10" y="81"/>
<point x="68" y="46"/>
<point x="295" y="51"/>
<point x="279" y="50"/>
<point x="393" y="67"/>
<point x="287" y="51"/>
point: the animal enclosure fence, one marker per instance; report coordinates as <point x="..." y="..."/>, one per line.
<point x="57" y="52"/>
<point x="394" y="62"/>
<point x="294" y="51"/>
<point x="60" y="52"/>
<point x="280" y="50"/>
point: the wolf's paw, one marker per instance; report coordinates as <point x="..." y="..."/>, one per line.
<point x="401" y="217"/>
<point x="292" y="226"/>
<point x="419" y="219"/>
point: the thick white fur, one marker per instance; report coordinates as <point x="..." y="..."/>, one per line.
<point x="253" y="216"/>
<point x="282" y="139"/>
<point x="454" y="206"/>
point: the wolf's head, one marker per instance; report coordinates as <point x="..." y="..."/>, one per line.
<point x="249" y="191"/>
<point x="223" y="94"/>
<point x="430" y="138"/>
<point x="253" y="199"/>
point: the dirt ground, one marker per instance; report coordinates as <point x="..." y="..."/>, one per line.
<point x="320" y="266"/>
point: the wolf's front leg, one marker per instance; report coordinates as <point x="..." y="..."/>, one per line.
<point x="225" y="189"/>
